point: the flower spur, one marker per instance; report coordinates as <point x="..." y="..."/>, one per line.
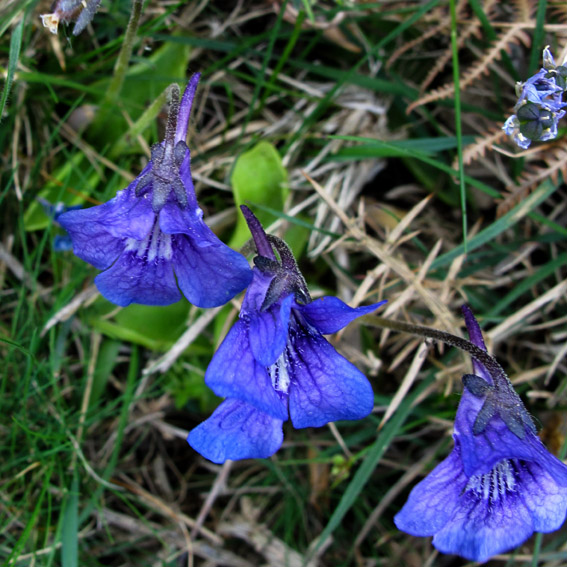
<point x="274" y="364"/>
<point x="153" y="231"/>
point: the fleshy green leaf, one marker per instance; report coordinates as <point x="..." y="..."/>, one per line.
<point x="156" y="328"/>
<point x="68" y="184"/>
<point x="258" y="177"/>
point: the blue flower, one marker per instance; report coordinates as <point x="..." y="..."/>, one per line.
<point x="532" y="122"/>
<point x="499" y="484"/>
<point x="154" y="229"/>
<point x="274" y="364"/>
<point x="539" y="106"/>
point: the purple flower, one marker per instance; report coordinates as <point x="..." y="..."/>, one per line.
<point x="499" y="484"/>
<point x="532" y="122"/>
<point x="541" y="89"/>
<point x="274" y="364"/>
<point x="539" y="106"/>
<point x="154" y="229"/>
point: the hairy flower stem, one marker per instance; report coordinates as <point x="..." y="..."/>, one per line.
<point x="124" y="56"/>
<point x="491" y="364"/>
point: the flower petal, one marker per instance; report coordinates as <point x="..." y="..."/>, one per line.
<point x="330" y="314"/>
<point x="132" y="279"/>
<point x="98" y="233"/>
<point x="208" y="272"/>
<point x="91" y="241"/>
<point x="324" y="385"/>
<point x="233" y="373"/>
<point x="543" y="496"/>
<point x="236" y="430"/>
<point x="268" y="331"/>
<point x="432" y="502"/>
<point x="481" y="528"/>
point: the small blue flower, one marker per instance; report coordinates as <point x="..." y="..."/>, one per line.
<point x="541" y="89"/>
<point x="274" y="364"/>
<point x="499" y="484"/>
<point x="539" y="106"/>
<point x="154" y="229"/>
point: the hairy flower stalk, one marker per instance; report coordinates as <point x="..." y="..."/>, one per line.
<point x="275" y="365"/>
<point x="499" y="484"/>
<point x="150" y="240"/>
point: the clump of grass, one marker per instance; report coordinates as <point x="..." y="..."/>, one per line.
<point x="94" y="467"/>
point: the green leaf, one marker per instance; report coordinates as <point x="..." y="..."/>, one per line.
<point x="68" y="185"/>
<point x="154" y="327"/>
<point x="259" y="177"/>
<point x="144" y="82"/>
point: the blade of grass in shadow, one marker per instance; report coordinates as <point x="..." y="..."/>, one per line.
<point x="405" y="151"/>
<point x="347" y="76"/>
<point x="527" y="284"/>
<point x="411" y="149"/>
<point x="19" y="347"/>
<point x="362" y="475"/>
<point x="128" y="396"/>
<point x="296" y="220"/>
<point x="27" y="531"/>
<point x="284" y="57"/>
<point x="458" y="129"/>
<point x="261" y="74"/>
<point x="15" y="47"/>
<point x="503" y="223"/>
<point x="539" y="34"/>
<point x="129" y="390"/>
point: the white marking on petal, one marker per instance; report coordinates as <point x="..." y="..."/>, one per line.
<point x="279" y="373"/>
<point x="495" y="484"/>
<point x="155" y="245"/>
<point x="155" y="238"/>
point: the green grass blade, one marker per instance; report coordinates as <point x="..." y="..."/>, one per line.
<point x="458" y="129"/>
<point x="362" y="475"/>
<point x="15" y="47"/>
<point x="26" y="533"/>
<point x="527" y="284"/>
<point x="503" y="223"/>
<point x="70" y="532"/>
